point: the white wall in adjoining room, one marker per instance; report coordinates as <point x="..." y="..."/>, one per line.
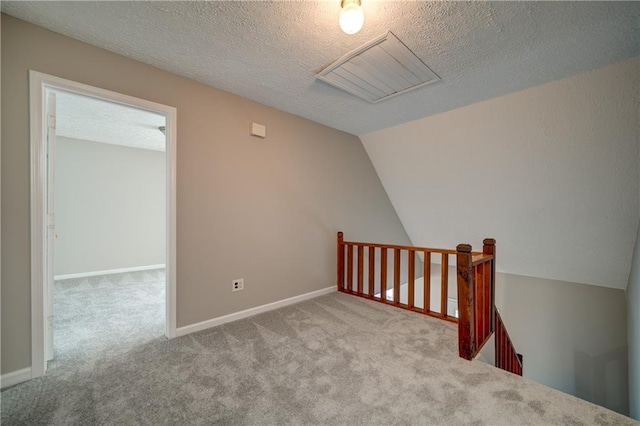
<point x="550" y="172"/>
<point x="110" y="207"/>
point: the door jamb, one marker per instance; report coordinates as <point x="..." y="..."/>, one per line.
<point x="38" y="82"/>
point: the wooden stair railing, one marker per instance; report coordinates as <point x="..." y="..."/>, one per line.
<point x="506" y="356"/>
<point x="477" y="317"/>
<point x="379" y="279"/>
<point x="476" y="285"/>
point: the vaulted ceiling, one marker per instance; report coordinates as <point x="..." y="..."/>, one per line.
<point x="270" y="52"/>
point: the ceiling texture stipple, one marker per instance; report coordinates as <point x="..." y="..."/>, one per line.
<point x="96" y="120"/>
<point x="270" y="52"/>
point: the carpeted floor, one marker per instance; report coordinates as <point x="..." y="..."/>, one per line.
<point x="336" y="359"/>
<point x="97" y="318"/>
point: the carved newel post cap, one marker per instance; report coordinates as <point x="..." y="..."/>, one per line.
<point x="464" y="248"/>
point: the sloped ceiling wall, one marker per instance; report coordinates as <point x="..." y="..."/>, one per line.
<point x="550" y="172"/>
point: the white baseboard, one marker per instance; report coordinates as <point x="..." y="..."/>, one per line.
<point x="182" y="331"/>
<point x="109" y="271"/>
<point x="15" y="377"/>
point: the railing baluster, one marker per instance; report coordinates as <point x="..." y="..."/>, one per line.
<point x="474" y="308"/>
<point x="350" y="267"/>
<point x="499" y="363"/>
<point x="487" y="299"/>
<point x="500" y="351"/>
<point x="340" y="262"/>
<point x="360" y="269"/>
<point x="497" y="346"/>
<point x="497" y="349"/>
<point x="444" y="294"/>
<point x="383" y="274"/>
<point x="396" y="276"/>
<point x="426" y="282"/>
<point x="478" y="295"/>
<point x="411" y="259"/>
<point x="504" y="348"/>
<point x="466" y="346"/>
<point x="489" y="248"/>
<point x="506" y="356"/>
<point x="372" y="263"/>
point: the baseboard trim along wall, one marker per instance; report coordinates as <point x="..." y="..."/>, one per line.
<point x="15" y="377"/>
<point x="19" y="376"/>
<point x="214" y="322"/>
<point x="108" y="272"/>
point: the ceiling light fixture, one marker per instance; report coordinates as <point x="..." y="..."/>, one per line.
<point x="351" y="16"/>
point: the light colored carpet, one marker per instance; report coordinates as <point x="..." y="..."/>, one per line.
<point x="103" y="316"/>
<point x="336" y="359"/>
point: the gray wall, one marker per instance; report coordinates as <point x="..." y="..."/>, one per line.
<point x="264" y="210"/>
<point x="573" y="336"/>
<point x="110" y="207"/>
<point x="633" y="332"/>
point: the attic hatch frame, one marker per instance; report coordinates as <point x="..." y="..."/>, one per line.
<point x="429" y="76"/>
<point x="39" y="219"/>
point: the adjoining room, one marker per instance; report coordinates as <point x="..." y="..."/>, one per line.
<point x="110" y="240"/>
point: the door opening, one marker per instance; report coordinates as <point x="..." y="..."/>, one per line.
<point x="45" y="91"/>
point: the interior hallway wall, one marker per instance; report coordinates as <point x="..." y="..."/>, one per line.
<point x="110" y="207"/>
<point x="266" y="210"/>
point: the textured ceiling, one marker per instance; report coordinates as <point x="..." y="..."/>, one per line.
<point x="270" y="51"/>
<point x="92" y="119"/>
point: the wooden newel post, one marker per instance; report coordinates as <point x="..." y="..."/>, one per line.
<point x="466" y="340"/>
<point x="340" y="262"/>
<point x="489" y="248"/>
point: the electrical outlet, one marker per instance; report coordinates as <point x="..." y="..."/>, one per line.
<point x="237" y="285"/>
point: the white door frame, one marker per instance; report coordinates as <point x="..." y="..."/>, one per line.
<point x="50" y="136"/>
<point x="38" y="82"/>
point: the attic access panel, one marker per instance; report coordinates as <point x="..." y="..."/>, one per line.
<point x="378" y="70"/>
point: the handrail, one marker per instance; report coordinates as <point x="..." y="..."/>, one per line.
<point x="479" y="259"/>
<point x="393" y="247"/>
